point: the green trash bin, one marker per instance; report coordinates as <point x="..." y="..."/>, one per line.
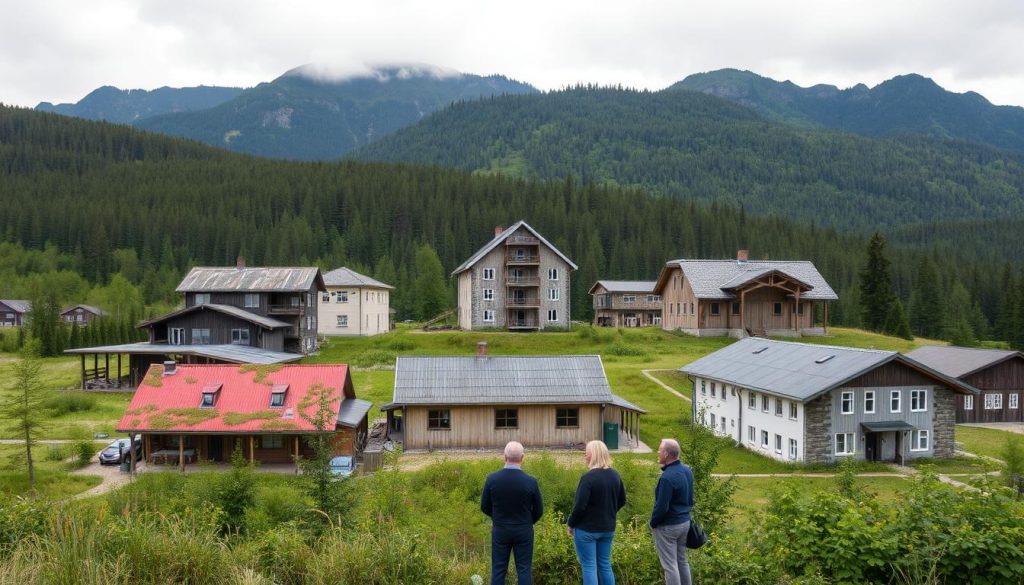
<point x="611" y="435"/>
<point x="125" y="466"/>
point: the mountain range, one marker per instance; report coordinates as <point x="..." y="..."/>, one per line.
<point x="127" y="106"/>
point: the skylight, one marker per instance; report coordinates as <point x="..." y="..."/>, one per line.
<point x="822" y="360"/>
<point x="760" y="349"/>
<point x="277" y="393"/>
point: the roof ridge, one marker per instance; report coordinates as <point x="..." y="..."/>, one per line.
<point x="842" y="347"/>
<point x="490" y="355"/>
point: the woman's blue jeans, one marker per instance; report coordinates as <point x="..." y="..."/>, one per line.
<point x="594" y="550"/>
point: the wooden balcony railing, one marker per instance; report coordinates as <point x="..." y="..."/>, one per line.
<point x="522" y="281"/>
<point x="522" y="303"/>
<point x="285" y="309"/>
<point x="521" y="241"/>
<point x="522" y="258"/>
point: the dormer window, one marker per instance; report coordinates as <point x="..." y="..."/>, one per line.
<point x="210" y="392"/>
<point x="277" y="393"/>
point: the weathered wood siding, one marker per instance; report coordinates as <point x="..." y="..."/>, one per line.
<point x="472" y="427"/>
<point x="342" y="443"/>
<point x="892" y="374"/>
<point x="220" y="326"/>
<point x="1005" y="378"/>
<point x="759" y="311"/>
<point x="677" y="295"/>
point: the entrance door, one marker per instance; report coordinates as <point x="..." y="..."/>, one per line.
<point x="871" y="452"/>
<point x="215" y="448"/>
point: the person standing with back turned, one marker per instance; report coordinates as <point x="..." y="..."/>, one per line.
<point x="512" y="500"/>
<point x="670" y="519"/>
<point x="599" y="497"/>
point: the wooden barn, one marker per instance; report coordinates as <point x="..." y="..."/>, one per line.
<point x="997" y="374"/>
<point x="483" y="401"/>
<point x="12" y="312"/>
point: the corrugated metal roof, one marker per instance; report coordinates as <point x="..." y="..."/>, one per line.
<point x="90" y="308"/>
<point x="798" y="370"/>
<point x="501" y="380"/>
<point x="239" y="354"/>
<point x="262" y="321"/>
<point x="353" y="411"/>
<point x="501" y="238"/>
<point x="18" y="306"/>
<point x="637" y="286"/>
<point x="348" y="277"/>
<point x="623" y="403"/>
<point x="960" y="361"/>
<point x="229" y="278"/>
<point x="240" y="394"/>
<point x="708" y="278"/>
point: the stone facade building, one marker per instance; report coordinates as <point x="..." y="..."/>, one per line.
<point x="625" y="303"/>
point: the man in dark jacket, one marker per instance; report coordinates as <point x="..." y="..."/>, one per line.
<point x="512" y="499"/>
<point x="670" y="519"/>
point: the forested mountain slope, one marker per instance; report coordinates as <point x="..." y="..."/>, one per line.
<point x="127" y="106"/>
<point x="690" y="145"/>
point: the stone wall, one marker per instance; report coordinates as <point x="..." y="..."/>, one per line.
<point x="943" y="422"/>
<point x="818" y="430"/>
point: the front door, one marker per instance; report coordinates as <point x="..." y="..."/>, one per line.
<point x="215" y="448"/>
<point x="871" y="452"/>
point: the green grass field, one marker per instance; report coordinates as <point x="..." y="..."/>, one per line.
<point x="52" y="477"/>
<point x="987" y="442"/>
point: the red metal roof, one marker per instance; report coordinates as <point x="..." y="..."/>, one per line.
<point x="169" y="403"/>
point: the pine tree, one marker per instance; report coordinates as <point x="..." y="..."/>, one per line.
<point x="431" y="292"/>
<point x="876" y="294"/>
<point x="21" y="411"/>
<point x="896" y="321"/>
<point x="958" y="324"/>
<point x="926" y="306"/>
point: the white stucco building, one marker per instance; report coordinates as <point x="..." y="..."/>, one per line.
<point x="354" y="304"/>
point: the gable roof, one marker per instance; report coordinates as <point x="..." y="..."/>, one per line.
<point x="348" y="277"/>
<point x="89" y="308"/>
<point x="262" y="321"/>
<point x="961" y="361"/>
<point x="614" y="286"/>
<point x="18" y="306"/>
<point x="170" y="403"/>
<point x="232" y="279"/>
<point x="470" y="380"/>
<point x="801" y="371"/>
<point x="501" y="238"/>
<point x="713" y="279"/>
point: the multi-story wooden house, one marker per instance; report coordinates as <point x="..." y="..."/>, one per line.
<point x="517" y="281"/>
<point x="625" y="303"/>
<point x="354" y="304"/>
<point x="743" y="297"/>
<point x="997" y="374"/>
<point x="12" y="312"/>
<point x="81" y="315"/>
<point x="818" y="403"/>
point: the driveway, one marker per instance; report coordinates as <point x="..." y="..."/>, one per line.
<point x="1013" y="427"/>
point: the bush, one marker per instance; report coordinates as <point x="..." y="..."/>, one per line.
<point x="626" y="350"/>
<point x="1013" y="457"/>
<point x="84" y="450"/>
<point x="68" y="402"/>
<point x="57" y="452"/>
<point x="374" y="357"/>
<point x="401" y="345"/>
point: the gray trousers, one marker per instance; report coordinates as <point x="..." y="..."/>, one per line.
<point x="670" y="542"/>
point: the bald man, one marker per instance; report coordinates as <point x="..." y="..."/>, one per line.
<point x="670" y="518"/>
<point x="512" y="500"/>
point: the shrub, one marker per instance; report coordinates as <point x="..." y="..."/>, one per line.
<point x="374" y="357"/>
<point x="401" y="345"/>
<point x="626" y="350"/>
<point x="68" y="402"/>
<point x="58" y="452"/>
<point x="84" y="450"/>
<point x="1013" y="456"/>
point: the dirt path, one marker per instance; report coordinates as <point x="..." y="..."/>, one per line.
<point x="110" y="474"/>
<point x="648" y="374"/>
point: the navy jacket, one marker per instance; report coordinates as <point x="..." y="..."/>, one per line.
<point x="599" y="497"/>
<point x="512" y="499"/>
<point x="673" y="496"/>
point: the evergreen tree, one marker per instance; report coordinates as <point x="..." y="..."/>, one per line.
<point x="1006" y="315"/>
<point x="896" y="321"/>
<point x="926" y="306"/>
<point x="876" y="294"/>
<point x="431" y="291"/>
<point x="958" y="323"/>
<point x="22" y="410"/>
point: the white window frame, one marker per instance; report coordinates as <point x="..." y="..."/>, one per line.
<point x="202" y="298"/>
<point x="176" y="335"/>
<point x="703" y="388"/>
<point x="552" y="315"/>
<point x="778" y="406"/>
<point x="849" y="444"/>
<point x="794" y="410"/>
<point x="341" y="297"/>
<point x="898" y="395"/>
<point x="869" y="398"/>
<point x="764" y="439"/>
<point x="1014" y="401"/>
<point x="341" y="321"/>
<point x="200" y="331"/>
<point x="488" y="316"/>
<point x="752" y="401"/>
<point x="918" y="438"/>
<point x="793" y="449"/>
<point x="847" y="399"/>
<point x="969" y="402"/>
<point x="778" y="444"/>
<point x="751" y="434"/>
<point x="714" y="390"/>
<point x="920" y="396"/>
<point x="237" y="336"/>
<point x="488" y="294"/>
<point x="552" y="274"/>
<point x="251" y="300"/>
<point x="765" y="399"/>
<point x="553" y="294"/>
<point x="714" y="424"/>
<point x="488" y="274"/>
<point x="994" y="401"/>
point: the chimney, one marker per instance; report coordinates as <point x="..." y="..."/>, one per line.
<point x="240" y="262"/>
<point x="481" y="350"/>
<point x="497" y="230"/>
<point x="741" y="256"/>
<point x="170" y="367"/>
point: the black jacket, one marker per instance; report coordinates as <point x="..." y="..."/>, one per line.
<point x="673" y="496"/>
<point x="512" y="499"/>
<point x="599" y="497"/>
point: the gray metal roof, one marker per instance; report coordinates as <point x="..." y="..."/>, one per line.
<point x="18" y="306"/>
<point x="710" y="278"/>
<point x="348" y="277"/>
<point x="90" y="308"/>
<point x="572" y="379"/>
<point x="353" y="411"/>
<point x="238" y="354"/>
<point x="262" y="321"/>
<point x="960" y="361"/>
<point x="637" y="286"/>
<point x="501" y="238"/>
<point x="797" y="370"/>
<point x="230" y="279"/>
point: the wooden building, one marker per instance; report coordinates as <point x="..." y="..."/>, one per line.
<point x="81" y="315"/>
<point x="189" y="413"/>
<point x="13" y="312"/>
<point x="354" y="305"/>
<point x="517" y="281"/>
<point x="483" y="402"/>
<point x="625" y="303"/>
<point x="997" y="374"/>
<point x="817" y="403"/>
<point x="741" y="297"/>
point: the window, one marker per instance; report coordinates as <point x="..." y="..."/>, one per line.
<point x="778" y="408"/>
<point x="200" y="336"/>
<point x="208" y="399"/>
<point x="713" y="423"/>
<point x="764" y="403"/>
<point x="777" y="309"/>
<point x="869" y="401"/>
<point x="714" y="391"/>
<point x="552" y="294"/>
<point x="994" y="401"/>
<point x="653" y="298"/>
<point x="691" y="309"/>
<point x="488" y="274"/>
<point x="342" y="320"/>
<point x="778" y="444"/>
<point x="271" y="441"/>
<point x="715" y="309"/>
<point x="488" y="294"/>
<point x="277" y="400"/>
<point x="919" y="441"/>
<point x="439" y="420"/>
<point x="751" y="434"/>
<point x="240" y="336"/>
<point x="325" y="297"/>
<point x="506" y="418"/>
<point x="671" y="308"/>
<point x="792" y="449"/>
<point x="764" y="439"/>
<point x="628" y="299"/>
<point x="918" y="400"/>
<point x="552" y="315"/>
<point x="252" y="300"/>
<point x="1013" y="401"/>
<point x="171" y="441"/>
<point x="752" y="400"/>
<point x="176" y="335"/>
<point x="295" y="301"/>
<point x="202" y="298"/>
<point x="894" y="401"/>
<point x="793" y="410"/>
<point x="723" y="425"/>
<point x="703" y="388"/>
<point x="677" y="309"/>
<point x="488" y="315"/>
<point x="968" y="402"/>
<point x="735" y="308"/>
<point x="341" y="297"/>
<point x="844" y="443"/>
<point x="552" y="274"/>
<point x="567" y="418"/>
<point x="847" y="403"/>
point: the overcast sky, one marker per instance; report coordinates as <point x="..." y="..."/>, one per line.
<point x="59" y="50"/>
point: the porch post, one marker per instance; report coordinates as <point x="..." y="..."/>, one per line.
<point x="181" y="452"/>
<point x="743" y="307"/>
<point x="252" y="449"/>
<point x="296" y="458"/>
<point x="119" y="370"/>
<point x="83" y="371"/>
<point x="131" y="453"/>
<point x="796" y="312"/>
<point x="825" y="326"/>
<point x="95" y="364"/>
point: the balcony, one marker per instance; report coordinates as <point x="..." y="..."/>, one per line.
<point x="523" y="324"/>
<point x="522" y="303"/>
<point x="519" y="240"/>
<point x="522" y="281"/>
<point x="521" y="259"/>
<point x="285" y="309"/>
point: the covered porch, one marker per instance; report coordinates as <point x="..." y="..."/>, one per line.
<point x="884" y="441"/>
<point x="188" y="450"/>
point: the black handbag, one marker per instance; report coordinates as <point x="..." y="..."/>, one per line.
<point x="695" y="537"/>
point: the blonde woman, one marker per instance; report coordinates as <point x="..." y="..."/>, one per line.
<point x="599" y="497"/>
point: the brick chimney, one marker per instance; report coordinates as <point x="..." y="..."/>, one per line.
<point x="481" y="350"/>
<point x="742" y="256"/>
<point x="497" y="230"/>
<point x="240" y="262"/>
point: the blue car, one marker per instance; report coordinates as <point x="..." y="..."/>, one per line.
<point x="343" y="466"/>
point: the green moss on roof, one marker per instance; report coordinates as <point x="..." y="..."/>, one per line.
<point x="262" y="371"/>
<point x="174" y="417"/>
<point x="238" y="418"/>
